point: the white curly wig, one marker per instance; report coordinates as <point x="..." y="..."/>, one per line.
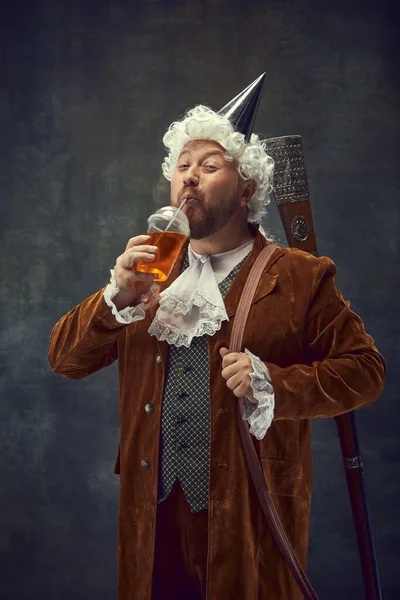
<point x="202" y="123"/>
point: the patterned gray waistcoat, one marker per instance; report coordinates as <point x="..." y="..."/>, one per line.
<point x="185" y="421"/>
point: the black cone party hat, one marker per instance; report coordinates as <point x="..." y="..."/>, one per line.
<point x="242" y="110"/>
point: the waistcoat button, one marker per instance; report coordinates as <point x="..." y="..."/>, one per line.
<point x="145" y="464"/>
<point x="149" y="409"/>
<point x="158" y="359"/>
<point x="182" y="445"/>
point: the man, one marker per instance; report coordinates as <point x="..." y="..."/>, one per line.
<point x="190" y="524"/>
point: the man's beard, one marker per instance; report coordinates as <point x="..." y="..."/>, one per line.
<point x="207" y="220"/>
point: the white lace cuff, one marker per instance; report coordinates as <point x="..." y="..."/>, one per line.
<point x="259" y="416"/>
<point x="129" y="314"/>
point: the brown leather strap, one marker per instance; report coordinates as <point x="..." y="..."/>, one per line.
<point x="255" y="468"/>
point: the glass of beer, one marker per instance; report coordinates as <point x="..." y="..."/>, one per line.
<point x="168" y="229"/>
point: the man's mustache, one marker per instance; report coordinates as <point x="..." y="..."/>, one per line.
<point x="189" y="194"/>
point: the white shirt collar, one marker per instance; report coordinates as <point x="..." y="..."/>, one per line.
<point x="223" y="263"/>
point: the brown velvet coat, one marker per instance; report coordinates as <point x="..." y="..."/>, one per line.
<point x="322" y="364"/>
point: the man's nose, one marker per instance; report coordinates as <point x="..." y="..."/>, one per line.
<point x="191" y="177"/>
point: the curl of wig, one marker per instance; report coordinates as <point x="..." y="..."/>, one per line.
<point x="202" y="123"/>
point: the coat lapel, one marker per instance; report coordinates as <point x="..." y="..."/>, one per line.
<point x="266" y="284"/>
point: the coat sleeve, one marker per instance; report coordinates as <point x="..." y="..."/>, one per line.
<point x="343" y="371"/>
<point x="85" y="339"/>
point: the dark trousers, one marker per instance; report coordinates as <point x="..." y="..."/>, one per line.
<point x="180" y="560"/>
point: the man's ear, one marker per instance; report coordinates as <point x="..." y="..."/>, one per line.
<point x="249" y="189"/>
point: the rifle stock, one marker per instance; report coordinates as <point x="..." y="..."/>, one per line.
<point x="291" y="195"/>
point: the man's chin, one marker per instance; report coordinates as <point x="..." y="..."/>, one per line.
<point x="203" y="228"/>
<point x="197" y="236"/>
<point x="197" y="229"/>
<point x="201" y="233"/>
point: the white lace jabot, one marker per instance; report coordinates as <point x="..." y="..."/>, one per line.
<point x="193" y="305"/>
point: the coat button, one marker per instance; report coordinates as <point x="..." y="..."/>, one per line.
<point x="145" y="464"/>
<point x="158" y="359"/>
<point x="149" y="409"/>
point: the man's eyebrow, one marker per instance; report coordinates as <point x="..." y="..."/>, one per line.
<point x="211" y="153"/>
